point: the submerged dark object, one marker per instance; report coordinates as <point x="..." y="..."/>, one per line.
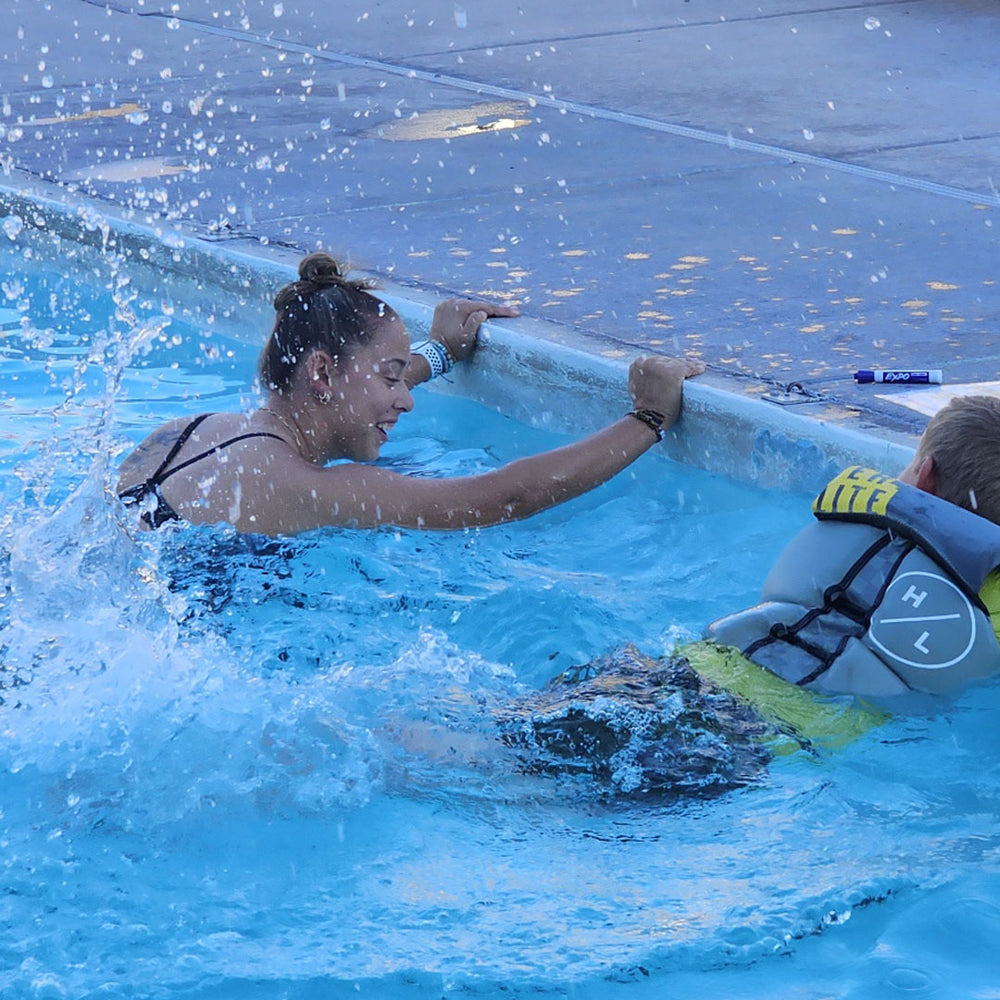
<point x="636" y="726"/>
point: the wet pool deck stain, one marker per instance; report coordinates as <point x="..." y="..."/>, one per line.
<point x="668" y="179"/>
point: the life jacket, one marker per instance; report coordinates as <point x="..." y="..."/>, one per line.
<point x="879" y="596"/>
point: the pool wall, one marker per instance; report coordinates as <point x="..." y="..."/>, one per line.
<point x="539" y="372"/>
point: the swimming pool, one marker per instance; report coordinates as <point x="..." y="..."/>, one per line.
<point x="210" y="785"/>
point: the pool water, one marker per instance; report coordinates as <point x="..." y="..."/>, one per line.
<point x="250" y="768"/>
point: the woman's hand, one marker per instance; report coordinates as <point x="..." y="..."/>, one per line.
<point x="456" y="323"/>
<point x="657" y="382"/>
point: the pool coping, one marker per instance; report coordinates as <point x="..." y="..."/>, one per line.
<point x="538" y="371"/>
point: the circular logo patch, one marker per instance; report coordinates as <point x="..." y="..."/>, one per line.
<point x="924" y="621"/>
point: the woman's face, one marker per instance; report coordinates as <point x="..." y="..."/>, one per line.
<point x="369" y="394"/>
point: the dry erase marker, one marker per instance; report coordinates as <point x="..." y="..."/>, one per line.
<point x="909" y="377"/>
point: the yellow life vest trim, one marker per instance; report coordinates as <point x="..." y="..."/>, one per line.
<point x="989" y="594"/>
<point x="821" y="720"/>
<point x="856" y="491"/>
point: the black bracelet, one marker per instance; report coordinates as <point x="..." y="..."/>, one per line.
<point x="652" y="419"/>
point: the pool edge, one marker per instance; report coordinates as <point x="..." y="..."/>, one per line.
<point x="535" y="370"/>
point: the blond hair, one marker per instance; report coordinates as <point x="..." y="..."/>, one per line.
<point x="964" y="440"/>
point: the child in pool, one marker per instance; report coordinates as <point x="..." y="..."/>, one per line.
<point x="894" y="589"/>
<point x="339" y="370"/>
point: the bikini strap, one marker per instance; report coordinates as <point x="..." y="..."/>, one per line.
<point x="212" y="451"/>
<point x="178" y="444"/>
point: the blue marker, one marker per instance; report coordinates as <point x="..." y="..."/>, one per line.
<point x="931" y="376"/>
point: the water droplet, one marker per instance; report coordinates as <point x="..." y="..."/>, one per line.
<point x="47" y="80"/>
<point x="279" y="9"/>
<point x="808" y="134"/>
<point x="871" y="23"/>
<point x="13" y="225"/>
<point x="461" y="18"/>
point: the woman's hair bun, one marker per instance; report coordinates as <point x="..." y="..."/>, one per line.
<point x="320" y="269"/>
<point x="318" y="272"/>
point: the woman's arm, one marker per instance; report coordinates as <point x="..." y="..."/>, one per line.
<point x="368" y="496"/>
<point x="455" y="326"/>
<point x="298" y="496"/>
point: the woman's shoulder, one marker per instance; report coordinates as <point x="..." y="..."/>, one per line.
<point x="145" y="458"/>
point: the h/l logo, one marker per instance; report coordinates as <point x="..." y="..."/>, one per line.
<point x="924" y="621"/>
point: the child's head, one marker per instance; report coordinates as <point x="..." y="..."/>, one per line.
<point x="963" y="439"/>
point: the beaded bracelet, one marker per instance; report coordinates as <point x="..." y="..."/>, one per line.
<point x="652" y="419"/>
<point x="436" y="355"/>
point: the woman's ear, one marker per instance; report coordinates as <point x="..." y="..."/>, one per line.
<point x="320" y="374"/>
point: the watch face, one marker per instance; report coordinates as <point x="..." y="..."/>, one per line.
<point x="924" y="621"/>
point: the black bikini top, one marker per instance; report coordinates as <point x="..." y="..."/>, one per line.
<point x="160" y="512"/>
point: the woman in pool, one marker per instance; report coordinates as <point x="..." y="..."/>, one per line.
<point x="338" y="369"/>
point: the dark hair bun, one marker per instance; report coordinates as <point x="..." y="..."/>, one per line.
<point x="317" y="272"/>
<point x="321" y="270"/>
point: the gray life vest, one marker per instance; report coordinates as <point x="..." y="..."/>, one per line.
<point x="879" y="596"/>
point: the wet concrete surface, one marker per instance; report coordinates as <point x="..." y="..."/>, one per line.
<point x="791" y="191"/>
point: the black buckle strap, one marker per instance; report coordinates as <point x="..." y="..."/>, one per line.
<point x="834" y="599"/>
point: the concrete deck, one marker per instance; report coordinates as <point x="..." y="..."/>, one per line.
<point x="789" y="190"/>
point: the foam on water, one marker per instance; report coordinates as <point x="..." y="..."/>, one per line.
<point x="235" y="767"/>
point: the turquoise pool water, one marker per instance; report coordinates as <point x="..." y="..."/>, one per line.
<point x="236" y="768"/>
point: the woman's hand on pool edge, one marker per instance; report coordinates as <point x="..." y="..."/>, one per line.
<point x="656" y="382"/>
<point x="456" y="323"/>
